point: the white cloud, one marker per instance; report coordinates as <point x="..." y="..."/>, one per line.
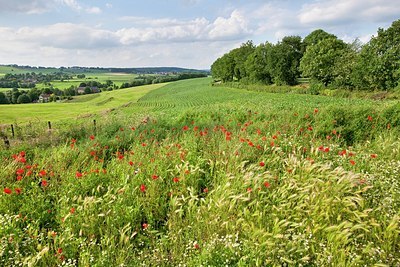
<point x="173" y="30"/>
<point x="334" y="12"/>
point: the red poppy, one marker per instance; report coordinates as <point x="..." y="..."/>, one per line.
<point x="154" y="177"/>
<point x="78" y="174"/>
<point x="196" y="246"/>
<point x="374" y="156"/>
<point x="42" y="173"/>
<point x="91" y="137"/>
<point x="176" y="179"/>
<point x="7" y="191"/>
<point x="185" y="128"/>
<point x="144" y="226"/>
<point x="143" y="188"/>
<point x="131" y="163"/>
<point x="19" y="178"/>
<point x="20" y="171"/>
<point x="352" y="162"/>
<point x="262" y="164"/>
<point x="205" y="190"/>
<point x="72" y="210"/>
<point x="326" y="149"/>
<point x="316" y="110"/>
<point x="343" y="152"/>
<point x="44" y="183"/>
<point x="249" y="189"/>
<point x="18" y="191"/>
<point x="59" y="251"/>
<point x="267" y="185"/>
<point x="369" y="118"/>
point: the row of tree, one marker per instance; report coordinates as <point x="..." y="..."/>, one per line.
<point x="153" y="79"/>
<point x="320" y="56"/>
<point x="29" y="79"/>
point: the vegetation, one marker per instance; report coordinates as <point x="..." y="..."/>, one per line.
<point x="48" y="84"/>
<point x="326" y="60"/>
<point x="195" y="175"/>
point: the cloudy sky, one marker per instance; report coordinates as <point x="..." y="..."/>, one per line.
<point x="183" y="33"/>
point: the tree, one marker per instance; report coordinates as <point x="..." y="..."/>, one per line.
<point x="239" y="57"/>
<point x="285" y="60"/>
<point x="256" y="65"/>
<point x="3" y="98"/>
<point x="379" y="61"/>
<point x="24" y="98"/>
<point x="319" y="60"/>
<point x="223" y="68"/>
<point x="316" y="36"/>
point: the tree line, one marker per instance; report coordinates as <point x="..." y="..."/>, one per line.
<point x="320" y="56"/>
<point x="152" y="79"/>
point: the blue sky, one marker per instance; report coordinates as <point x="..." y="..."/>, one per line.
<point x="184" y="33"/>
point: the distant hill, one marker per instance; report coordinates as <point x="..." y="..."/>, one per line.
<point x="77" y="69"/>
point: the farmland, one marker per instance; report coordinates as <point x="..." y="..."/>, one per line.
<point x="190" y="174"/>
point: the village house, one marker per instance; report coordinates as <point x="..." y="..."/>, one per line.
<point x="44" y="98"/>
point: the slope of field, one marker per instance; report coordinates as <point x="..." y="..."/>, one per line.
<point x="81" y="106"/>
<point x="195" y="175"/>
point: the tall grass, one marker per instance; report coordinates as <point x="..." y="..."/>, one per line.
<point x="249" y="181"/>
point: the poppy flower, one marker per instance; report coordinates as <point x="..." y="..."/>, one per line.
<point x="154" y="177"/>
<point x="205" y="190"/>
<point x="20" y="171"/>
<point x="18" y="191"/>
<point x="196" y="246"/>
<point x="7" y="191"/>
<point x="262" y="164"/>
<point x="19" y="178"/>
<point x="369" y="118"/>
<point x="352" y="162"/>
<point x="44" y="183"/>
<point x="78" y="174"/>
<point x="374" y="156"/>
<point x="176" y="179"/>
<point x="185" y="128"/>
<point x="59" y="251"/>
<point x="267" y="185"/>
<point x="143" y="188"/>
<point x="42" y="173"/>
<point x="91" y="137"/>
<point x="144" y="226"/>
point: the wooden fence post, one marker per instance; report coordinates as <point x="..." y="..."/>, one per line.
<point x="12" y="131"/>
<point x="49" y="124"/>
<point x="94" y="125"/>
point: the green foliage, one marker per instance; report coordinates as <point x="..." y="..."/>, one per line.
<point x="321" y="60"/>
<point x="378" y="63"/>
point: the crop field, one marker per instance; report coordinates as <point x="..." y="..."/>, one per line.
<point x="80" y="106"/>
<point x="188" y="174"/>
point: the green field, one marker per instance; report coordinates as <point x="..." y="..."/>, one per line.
<point x="187" y="174"/>
<point x="82" y="106"/>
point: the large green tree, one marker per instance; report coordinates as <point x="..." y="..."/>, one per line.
<point x="319" y="60"/>
<point x="284" y="60"/>
<point x="256" y="64"/>
<point x="379" y="61"/>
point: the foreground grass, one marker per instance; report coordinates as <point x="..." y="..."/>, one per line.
<point x="213" y="177"/>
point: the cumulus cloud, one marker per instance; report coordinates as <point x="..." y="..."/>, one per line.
<point x="172" y="30"/>
<point x="333" y="12"/>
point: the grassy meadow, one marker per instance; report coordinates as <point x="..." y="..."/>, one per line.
<point x="187" y="174"/>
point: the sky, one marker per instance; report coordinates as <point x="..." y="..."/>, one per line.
<point x="181" y="33"/>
